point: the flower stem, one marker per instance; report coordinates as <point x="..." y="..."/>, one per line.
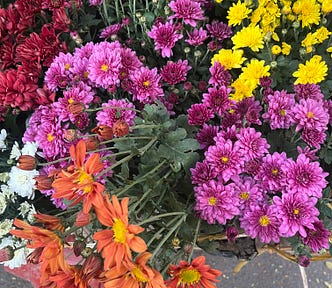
<point x="195" y="239"/>
<point x="157" y="217"/>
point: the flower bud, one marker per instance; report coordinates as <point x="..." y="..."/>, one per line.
<point x="201" y="85"/>
<point x="296" y="24"/>
<point x="6" y="254"/>
<point x="70" y="135"/>
<point x="27" y="162"/>
<point x="187" y="86"/>
<point x="75" y="108"/>
<point x="91" y="143"/>
<point x="43" y="182"/>
<point x="231" y="233"/>
<point x="303" y="260"/>
<point x="274" y="64"/>
<point x="176" y="243"/>
<point x="78" y="247"/>
<point x="120" y="128"/>
<point x="82" y="219"/>
<point x="197" y="53"/>
<point x="186" y="50"/>
<point x="34" y="257"/>
<point x="104" y="131"/>
<point x="86" y="252"/>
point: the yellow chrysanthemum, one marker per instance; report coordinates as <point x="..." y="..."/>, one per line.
<point x="237" y="13"/>
<point x="256" y="15"/>
<point x="218" y="1"/>
<point x="326" y="6"/>
<point x="251" y="37"/>
<point x="242" y="89"/>
<point x="307" y="11"/>
<point x="255" y="70"/>
<point x="276" y="49"/>
<point x="314" y="71"/>
<point x="322" y="34"/>
<point x="309" y="41"/>
<point x="285" y="48"/>
<point x="229" y="58"/>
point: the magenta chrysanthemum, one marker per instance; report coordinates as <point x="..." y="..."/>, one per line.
<point x="218" y="99"/>
<point x="198" y="114"/>
<point x="308" y="91"/>
<point x="219" y="30"/>
<point x="110" y="31"/>
<point x="262" y="222"/>
<point x="219" y="75"/>
<point x="173" y="73"/>
<point x="196" y="37"/>
<point x="188" y="10"/>
<point x="205" y="136"/>
<point x="165" y="36"/>
<point x="305" y="176"/>
<point x="317" y="238"/>
<point x="313" y="137"/>
<point x="215" y="202"/>
<point x="202" y="173"/>
<point x="249" y="110"/>
<point x="296" y="212"/>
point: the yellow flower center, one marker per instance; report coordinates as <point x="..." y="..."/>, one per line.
<point x="86" y="180"/>
<point x="104" y="67"/>
<point x="146" y="83"/>
<point x="310" y="115"/>
<point x="275" y="171"/>
<point x="212" y="201"/>
<point x="67" y="66"/>
<point x="138" y="275"/>
<point x="50" y="137"/>
<point x="244" y="195"/>
<point x="264" y="220"/>
<point x="296" y="211"/>
<point x="86" y="74"/>
<point x="70" y="101"/>
<point x="283" y="112"/>
<point x="189" y="276"/>
<point x="120" y="231"/>
<point x="224" y="159"/>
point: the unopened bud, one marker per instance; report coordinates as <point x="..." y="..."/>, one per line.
<point x="70" y="135"/>
<point x="86" y="252"/>
<point x="75" y="108"/>
<point x="6" y="254"/>
<point x="120" y="128"/>
<point x="82" y="219"/>
<point x="197" y="53"/>
<point x="91" y="143"/>
<point x="78" y="247"/>
<point x="43" y="182"/>
<point x="103" y="131"/>
<point x="176" y="242"/>
<point x="27" y="162"/>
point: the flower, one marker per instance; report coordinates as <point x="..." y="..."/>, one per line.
<point x="254" y="71"/>
<point x="196" y="36"/>
<point x="194" y="274"/>
<point x="237" y="13"/>
<point x="317" y="238"/>
<point x="189" y="11"/>
<point x="217" y="99"/>
<point x="173" y="73"/>
<point x="229" y="58"/>
<point x="20" y="252"/>
<point x="198" y="114"/>
<point x="219" y="75"/>
<point x="307" y="11"/>
<point x="251" y="37"/>
<point x="314" y="71"/>
<point x="219" y="30"/>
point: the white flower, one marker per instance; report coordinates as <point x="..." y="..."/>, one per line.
<point x="31" y="215"/>
<point x="3" y="135"/>
<point x="9" y="194"/>
<point x="5" y="226"/>
<point x="22" y="182"/>
<point x="16" y="152"/>
<point x="20" y="255"/>
<point x="3" y="203"/>
<point x="30" y="148"/>
<point x="27" y="211"/>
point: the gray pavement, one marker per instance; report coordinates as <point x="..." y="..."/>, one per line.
<point x="264" y="271"/>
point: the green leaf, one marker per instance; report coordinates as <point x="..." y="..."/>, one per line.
<point x="149" y="16"/>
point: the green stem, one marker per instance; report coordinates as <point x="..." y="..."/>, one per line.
<point x="154" y="218"/>
<point x="195" y="240"/>
<point x="105" y="12"/>
<point x="111" y="107"/>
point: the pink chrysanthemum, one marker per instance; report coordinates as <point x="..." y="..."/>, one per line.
<point x="280" y="104"/>
<point x="80" y="70"/>
<point x="188" y="10"/>
<point x="218" y="99"/>
<point x="205" y="136"/>
<point x="198" y="114"/>
<point x="225" y="158"/>
<point x="310" y="154"/>
<point x="249" y="110"/>
<point x="146" y="86"/>
<point x="84" y="51"/>
<point x="251" y="144"/>
<point x="95" y="2"/>
<point x="202" y="173"/>
<point x="173" y="73"/>
<point x="219" y="75"/>
<point x="296" y="212"/>
<point x="228" y="133"/>
<point x="115" y="110"/>
<point x="305" y="177"/>
<point x="165" y="36"/>
<point x="215" y="202"/>
<point x="110" y="31"/>
<point x="272" y="172"/>
<point x="262" y="222"/>
<point x="129" y="62"/>
<point x="219" y="30"/>
<point x="317" y="238"/>
<point x="310" y="114"/>
<point x="313" y="137"/>
<point x="308" y="91"/>
<point x="196" y="37"/>
<point x="105" y="64"/>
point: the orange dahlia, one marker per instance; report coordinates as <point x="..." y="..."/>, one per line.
<point x="77" y="182"/>
<point x="194" y="275"/>
<point x="134" y="274"/>
<point x="116" y="243"/>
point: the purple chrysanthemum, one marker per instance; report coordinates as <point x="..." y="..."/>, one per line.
<point x="272" y="172"/>
<point x="262" y="222"/>
<point x="249" y="109"/>
<point x="215" y="202"/>
<point x="251" y="144"/>
<point x="196" y="37"/>
<point x="173" y="73"/>
<point x="110" y="31"/>
<point x="205" y="136"/>
<point x="317" y="238"/>
<point x="115" y="110"/>
<point x="310" y="114"/>
<point x="219" y="75"/>
<point x="225" y="158"/>
<point x="95" y="2"/>
<point x="202" y="173"/>
<point x="165" y="36"/>
<point x="188" y="10"/>
<point x="296" y="211"/>
<point x="84" y="51"/>
<point x="218" y="99"/>
<point x="146" y="86"/>
<point x="198" y="114"/>
<point x="129" y="62"/>
<point x="252" y="167"/>
<point x="104" y="64"/>
<point x="305" y="176"/>
<point x="231" y="117"/>
<point x="80" y="70"/>
<point x="328" y="106"/>
<point x="308" y="91"/>
<point x="228" y="133"/>
<point x="310" y="154"/>
<point x="313" y="137"/>
<point x="278" y="113"/>
<point x="219" y="30"/>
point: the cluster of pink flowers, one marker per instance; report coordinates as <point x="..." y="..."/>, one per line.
<point x="270" y="193"/>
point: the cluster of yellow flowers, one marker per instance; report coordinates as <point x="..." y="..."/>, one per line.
<point x="267" y="29"/>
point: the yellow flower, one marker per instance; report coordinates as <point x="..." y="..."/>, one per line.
<point x="322" y="34"/>
<point x="229" y="58"/>
<point x="314" y="71"/>
<point x="309" y="41"/>
<point x="326" y="6"/>
<point x="255" y="70"/>
<point x="237" y="13"/>
<point x="307" y="11"/>
<point x="251" y="37"/>
<point x="285" y="48"/>
<point x="218" y="1"/>
<point x="276" y="49"/>
<point x="256" y="15"/>
<point x="242" y="89"/>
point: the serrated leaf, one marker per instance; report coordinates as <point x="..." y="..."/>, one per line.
<point x="125" y="144"/>
<point x="175" y="136"/>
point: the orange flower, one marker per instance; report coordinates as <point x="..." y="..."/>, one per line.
<point x="134" y="275"/>
<point x="48" y="244"/>
<point x="77" y="182"/>
<point x="118" y="242"/>
<point x="50" y="222"/>
<point x="193" y="275"/>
